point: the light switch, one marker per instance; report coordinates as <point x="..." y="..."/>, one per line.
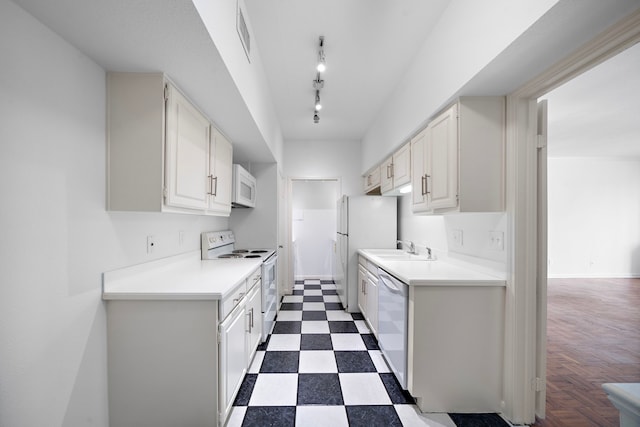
<point x="496" y="239"/>
<point x="457" y="238"/>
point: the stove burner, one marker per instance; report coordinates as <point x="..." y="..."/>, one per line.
<point x="261" y="251"/>
<point x="252" y="256"/>
<point x="230" y="256"/>
<point x="240" y="251"/>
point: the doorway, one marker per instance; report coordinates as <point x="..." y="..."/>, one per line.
<point x="593" y="167"/>
<point x="525" y="334"/>
<point x="313" y="228"/>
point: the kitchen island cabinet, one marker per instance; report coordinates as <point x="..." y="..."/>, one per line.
<point x="181" y="335"/>
<point x="455" y="329"/>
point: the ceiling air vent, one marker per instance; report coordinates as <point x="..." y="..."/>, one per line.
<point x="243" y="31"/>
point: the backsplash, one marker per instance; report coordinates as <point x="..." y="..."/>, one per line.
<point x="472" y="237"/>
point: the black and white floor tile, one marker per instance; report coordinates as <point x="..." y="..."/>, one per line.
<point x="321" y="366"/>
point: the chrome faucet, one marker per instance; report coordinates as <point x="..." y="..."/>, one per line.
<point x="410" y="244"/>
<point x="428" y="252"/>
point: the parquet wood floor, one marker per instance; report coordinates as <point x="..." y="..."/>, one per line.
<point x="593" y="337"/>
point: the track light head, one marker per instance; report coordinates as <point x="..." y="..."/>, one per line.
<point x="316" y="118"/>
<point x="322" y="64"/>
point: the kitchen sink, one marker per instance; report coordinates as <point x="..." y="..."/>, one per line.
<point x="397" y="255"/>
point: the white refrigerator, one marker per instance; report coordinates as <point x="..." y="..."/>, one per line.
<point x="364" y="222"/>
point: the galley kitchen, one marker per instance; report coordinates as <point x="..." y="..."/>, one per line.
<point x="230" y="235"/>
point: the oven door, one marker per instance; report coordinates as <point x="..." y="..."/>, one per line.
<point x="269" y="295"/>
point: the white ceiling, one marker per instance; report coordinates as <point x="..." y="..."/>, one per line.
<point x="368" y="46"/>
<point x="597" y="114"/>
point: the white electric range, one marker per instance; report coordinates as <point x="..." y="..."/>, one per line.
<point x="217" y="245"/>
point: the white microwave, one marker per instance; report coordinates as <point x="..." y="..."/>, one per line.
<point x="243" y="189"/>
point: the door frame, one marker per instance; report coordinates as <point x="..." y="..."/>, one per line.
<point x="521" y="311"/>
<point x="288" y="247"/>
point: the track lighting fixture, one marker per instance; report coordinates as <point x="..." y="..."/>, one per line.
<point x="319" y="83"/>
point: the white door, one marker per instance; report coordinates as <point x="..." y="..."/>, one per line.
<point x="233" y="357"/>
<point x="187" y="153"/>
<point x="372" y="302"/>
<point x="541" y="278"/>
<point x="442" y="160"/>
<point x="254" y="318"/>
<point x="419" y="199"/>
<point x="220" y="161"/>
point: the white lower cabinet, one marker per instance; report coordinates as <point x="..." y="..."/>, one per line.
<point x="254" y="313"/>
<point x="180" y="362"/>
<point x="368" y="294"/>
<point x="455" y="332"/>
<point x="455" y="347"/>
<point x="233" y="356"/>
<point x="372" y="302"/>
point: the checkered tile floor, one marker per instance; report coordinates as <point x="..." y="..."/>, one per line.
<point x="321" y="366"/>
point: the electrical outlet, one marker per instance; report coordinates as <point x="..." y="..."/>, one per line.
<point x="497" y="240"/>
<point x="151" y="244"/>
<point x="457" y="238"/>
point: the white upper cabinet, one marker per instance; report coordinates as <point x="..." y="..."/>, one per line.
<point x="219" y="177"/>
<point x="163" y="153"/>
<point x="187" y="153"/>
<point x="396" y="170"/>
<point x="372" y="181"/>
<point x="458" y="160"/>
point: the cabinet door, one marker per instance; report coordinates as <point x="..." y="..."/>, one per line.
<point x="254" y="313"/>
<point x="362" y="287"/>
<point x="187" y="153"/>
<point x="402" y="166"/>
<point x="233" y="357"/>
<point x="372" y="302"/>
<point x="442" y="160"/>
<point x="386" y="175"/>
<point x="220" y="161"/>
<point x="419" y="199"/>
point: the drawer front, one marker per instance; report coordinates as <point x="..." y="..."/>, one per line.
<point x="254" y="279"/>
<point x="230" y="302"/>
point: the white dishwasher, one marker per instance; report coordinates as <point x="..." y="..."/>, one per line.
<point x="393" y="306"/>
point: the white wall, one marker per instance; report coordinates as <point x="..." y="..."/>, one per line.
<point x="435" y="231"/>
<point x="220" y="19"/>
<point x="258" y="227"/>
<point x="57" y="237"/>
<point x="314" y="228"/>
<point x="468" y="36"/>
<point x="594" y="217"/>
<point x="325" y="159"/>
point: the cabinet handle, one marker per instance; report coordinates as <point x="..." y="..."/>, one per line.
<point x="392" y="169"/>
<point x="249" y="316"/>
<point x="252" y="318"/>
<point x="235" y="300"/>
<point x="389" y="171"/>
<point x="215" y="187"/>
<point x="210" y="178"/>
<point x="426" y="184"/>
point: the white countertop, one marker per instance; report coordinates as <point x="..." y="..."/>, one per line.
<point x="420" y="272"/>
<point x="180" y="277"/>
